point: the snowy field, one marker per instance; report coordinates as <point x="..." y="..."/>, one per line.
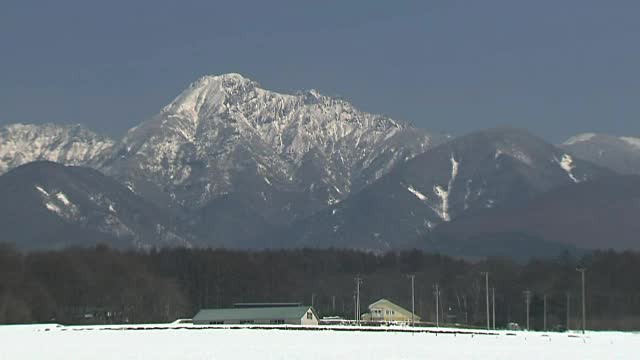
<point x="192" y="342"/>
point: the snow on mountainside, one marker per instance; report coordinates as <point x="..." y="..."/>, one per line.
<point x="491" y="168"/>
<point x="225" y="134"/>
<point x="620" y="153"/>
<point x="594" y="214"/>
<point x="48" y="205"/>
<point x="234" y="159"/>
<point x="67" y="144"/>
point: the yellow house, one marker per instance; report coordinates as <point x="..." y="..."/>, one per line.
<point x="385" y="310"/>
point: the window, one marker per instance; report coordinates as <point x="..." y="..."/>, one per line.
<point x="277" y="321"/>
<point x="216" y="322"/>
<point x="246" y="322"/>
<point x="310" y="315"/>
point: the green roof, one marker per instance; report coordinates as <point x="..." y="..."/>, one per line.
<point x="261" y="313"/>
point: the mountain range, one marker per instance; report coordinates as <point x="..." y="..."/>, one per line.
<point x="502" y="168"/>
<point x="49" y="205"/>
<point x="620" y="153"/>
<point x="590" y="215"/>
<point x="230" y="164"/>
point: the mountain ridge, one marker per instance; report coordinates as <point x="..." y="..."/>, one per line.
<point x="598" y="214"/>
<point x="68" y="144"/>
<point x="501" y="167"/>
<point x="620" y="153"/>
<point x="49" y="205"/>
<point x="242" y="166"/>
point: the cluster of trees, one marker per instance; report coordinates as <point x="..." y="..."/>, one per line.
<point x="103" y="285"/>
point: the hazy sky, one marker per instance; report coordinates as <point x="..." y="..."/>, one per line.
<point x="556" y="67"/>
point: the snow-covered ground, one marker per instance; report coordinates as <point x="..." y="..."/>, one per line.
<point x="192" y="342"/>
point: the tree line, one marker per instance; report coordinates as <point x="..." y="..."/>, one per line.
<point x="105" y="285"/>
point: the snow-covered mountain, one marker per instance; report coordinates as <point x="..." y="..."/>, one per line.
<point x="232" y="164"/>
<point x="599" y="214"/>
<point x="66" y="144"/>
<point x="227" y="135"/>
<point x="48" y="205"/>
<point x="620" y="153"/>
<point x="239" y="157"/>
<point x="491" y="168"/>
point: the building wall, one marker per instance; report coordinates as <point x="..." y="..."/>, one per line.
<point x="243" y="322"/>
<point x="309" y="318"/>
<point x="383" y="312"/>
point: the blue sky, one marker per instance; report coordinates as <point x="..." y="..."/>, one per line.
<point x="554" y="67"/>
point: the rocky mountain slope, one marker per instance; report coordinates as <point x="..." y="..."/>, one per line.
<point x="232" y="164"/>
<point x="620" y="153"/>
<point x="233" y="153"/>
<point x="48" y="205"/>
<point x="287" y="154"/>
<point x="599" y="214"/>
<point x="65" y="144"/>
<point x="486" y="169"/>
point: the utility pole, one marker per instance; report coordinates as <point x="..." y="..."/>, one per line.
<point x="333" y="304"/>
<point x="355" y="308"/>
<point x="493" y="302"/>
<point x="544" y="317"/>
<point x="568" y="311"/>
<point x="437" y="293"/>
<point x="413" y="298"/>
<point x="582" y="270"/>
<point x="527" y="297"/>
<point x="358" y="282"/>
<point x="486" y="279"/>
<point x="466" y="311"/>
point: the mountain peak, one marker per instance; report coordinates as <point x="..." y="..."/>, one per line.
<point x="580" y="138"/>
<point x="44" y="126"/>
<point x="231" y="75"/>
<point x="210" y="92"/>
<point x="229" y="80"/>
<point x="596" y="138"/>
<point x="69" y="144"/>
<point x="620" y="153"/>
<point x="222" y="125"/>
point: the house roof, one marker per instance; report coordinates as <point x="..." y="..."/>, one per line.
<point x="265" y="305"/>
<point x="394" y="306"/>
<point x="255" y="313"/>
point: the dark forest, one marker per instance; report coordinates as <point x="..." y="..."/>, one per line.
<point x="104" y="285"/>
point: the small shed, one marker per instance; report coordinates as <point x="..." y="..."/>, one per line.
<point x="294" y="315"/>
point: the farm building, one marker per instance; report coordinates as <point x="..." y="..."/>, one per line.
<point x="385" y="310"/>
<point x="293" y="314"/>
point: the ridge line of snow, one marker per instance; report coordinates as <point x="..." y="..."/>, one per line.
<point x="579" y="138"/>
<point x="566" y="163"/>
<point x="444" y="194"/>
<point x="417" y="193"/>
